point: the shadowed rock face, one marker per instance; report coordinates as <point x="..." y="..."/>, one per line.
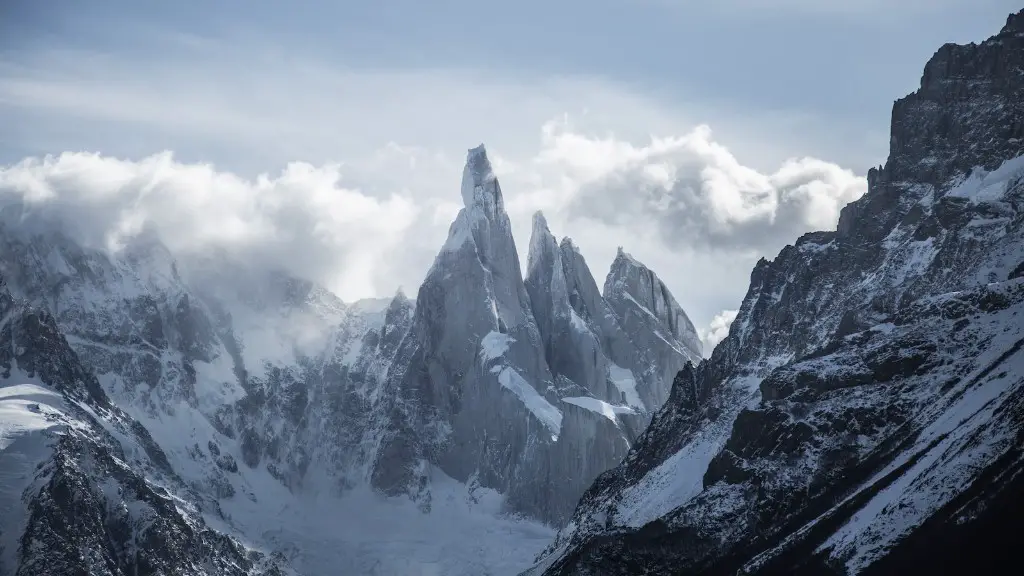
<point x="869" y="399"/>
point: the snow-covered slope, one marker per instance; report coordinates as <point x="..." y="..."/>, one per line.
<point x="866" y="412"/>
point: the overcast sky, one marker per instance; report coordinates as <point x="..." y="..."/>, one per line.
<point x="329" y="136"/>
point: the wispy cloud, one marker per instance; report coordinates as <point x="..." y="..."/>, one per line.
<point x="252" y="106"/>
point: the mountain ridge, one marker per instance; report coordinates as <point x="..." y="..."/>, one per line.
<point x="489" y="350"/>
<point x="258" y="390"/>
<point x="870" y="379"/>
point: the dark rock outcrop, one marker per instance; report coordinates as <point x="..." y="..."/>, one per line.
<point x="869" y="398"/>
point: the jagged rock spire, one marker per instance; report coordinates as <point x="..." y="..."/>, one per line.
<point x="632" y="284"/>
<point x="480" y="187"/>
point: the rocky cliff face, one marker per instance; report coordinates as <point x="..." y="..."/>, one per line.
<point x="869" y="397"/>
<point x="654" y="322"/>
<point x="531" y="387"/>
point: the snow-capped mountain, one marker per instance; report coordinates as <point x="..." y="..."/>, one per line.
<point x="242" y="414"/>
<point x="865" y="415"/>
<point x="213" y="354"/>
<point x="84" y="489"/>
<point x="533" y="387"/>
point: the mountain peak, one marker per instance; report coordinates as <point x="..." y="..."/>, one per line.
<point x="479" y="185"/>
<point x="543" y="247"/>
<point x="540" y="234"/>
<point x="479" y="151"/>
<point x="965" y="115"/>
<point x="1014" y="23"/>
<point x="399" y="305"/>
<point x="623" y="258"/>
<point x="625" y="271"/>
<point x="631" y="280"/>
<point x="540" y="223"/>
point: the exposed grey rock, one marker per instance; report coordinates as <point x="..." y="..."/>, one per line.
<point x="479" y="387"/>
<point x="471" y="397"/>
<point x="571" y="347"/>
<point x="654" y="322"/>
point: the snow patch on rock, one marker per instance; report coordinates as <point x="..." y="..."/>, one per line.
<point x="494" y="345"/>
<point x="27" y="413"/>
<point x="624" y="380"/>
<point x="609" y="411"/>
<point x="548" y="415"/>
<point x="982" y="186"/>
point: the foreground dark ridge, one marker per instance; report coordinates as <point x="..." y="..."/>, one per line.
<point x="866" y="412"/>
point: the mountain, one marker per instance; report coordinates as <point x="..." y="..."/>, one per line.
<point x="85" y="489"/>
<point x="865" y="414"/>
<point x="212" y="353"/>
<point x="528" y="387"/>
<point x="223" y="418"/>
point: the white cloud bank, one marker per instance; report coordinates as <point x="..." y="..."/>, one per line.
<point x="717" y="330"/>
<point x="301" y="220"/>
<point x="694" y="191"/>
<point x="684" y="204"/>
<point x="364" y="215"/>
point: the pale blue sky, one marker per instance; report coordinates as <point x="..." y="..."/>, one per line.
<point x="841" y="63"/>
<point x="397" y="90"/>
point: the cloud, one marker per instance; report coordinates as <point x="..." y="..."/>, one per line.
<point x="697" y="194"/>
<point x="679" y="203"/>
<point x="717" y="330"/>
<point x="381" y="155"/>
<point x="302" y="220"/>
